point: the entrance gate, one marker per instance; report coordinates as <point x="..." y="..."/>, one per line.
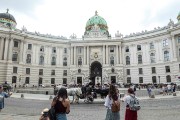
<point x="96" y="71"/>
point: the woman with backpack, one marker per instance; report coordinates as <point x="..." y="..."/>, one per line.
<point x="131" y="108"/>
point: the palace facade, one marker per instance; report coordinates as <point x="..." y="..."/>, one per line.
<point x="33" y="58"/>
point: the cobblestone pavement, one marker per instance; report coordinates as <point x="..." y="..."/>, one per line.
<point x="152" y="109"/>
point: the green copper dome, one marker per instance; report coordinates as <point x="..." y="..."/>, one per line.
<point x="178" y="17"/>
<point x="96" y="20"/>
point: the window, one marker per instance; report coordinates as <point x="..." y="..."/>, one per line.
<point x="138" y="47"/>
<point x="53" y="61"/>
<point x="28" y="59"/>
<point x="41" y="60"/>
<point x="79" y="61"/>
<point x="111" y="49"/>
<point x="28" y="71"/>
<point x="165" y="42"/>
<point x="168" y="78"/>
<point x="151" y="45"/>
<point x="65" y="50"/>
<point x="127" y="49"/>
<point x="65" y="61"/>
<point x="179" y="67"/>
<point x="128" y="71"/>
<point x="153" y="69"/>
<point x="166" y="55"/>
<point x="152" y="58"/>
<point x="42" y="49"/>
<point x="178" y="39"/>
<point x="140" y="71"/>
<point x="139" y="59"/>
<point x="140" y="79"/>
<point x="15" y="43"/>
<point x="64" y="80"/>
<point x="27" y="80"/>
<point x="15" y="69"/>
<point x="154" y="79"/>
<point x="29" y="46"/>
<point x="40" y="81"/>
<point x="79" y="50"/>
<point x="15" y="57"/>
<point x="40" y="71"/>
<point x="112" y="60"/>
<point x="65" y="73"/>
<point x="179" y="52"/>
<point x="128" y="79"/>
<point x="127" y="60"/>
<point x="52" y="80"/>
<point x="14" y="79"/>
<point x="52" y="72"/>
<point x="54" y="50"/>
<point x="167" y="68"/>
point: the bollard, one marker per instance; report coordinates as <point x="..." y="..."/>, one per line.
<point x="50" y="97"/>
<point x="174" y="93"/>
<point x="22" y="95"/>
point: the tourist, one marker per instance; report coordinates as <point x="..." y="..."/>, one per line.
<point x="2" y="96"/>
<point x="129" y="114"/>
<point x="61" y="104"/>
<point x="115" y="108"/>
<point x="109" y="101"/>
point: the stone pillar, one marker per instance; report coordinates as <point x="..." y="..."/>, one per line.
<point x="71" y="55"/>
<point x="10" y="49"/>
<point x="74" y="55"/>
<point x="6" y="48"/>
<point x="161" y="54"/>
<point x="21" y="52"/>
<point x="1" y="47"/>
<point x="120" y="54"/>
<point x="117" y="55"/>
<point x="84" y="61"/>
<point x="107" y="57"/>
<point x="174" y="49"/>
<point x="33" y="59"/>
<point x="88" y="55"/>
<point x="104" y="54"/>
<point x="24" y="53"/>
<point x="61" y="56"/>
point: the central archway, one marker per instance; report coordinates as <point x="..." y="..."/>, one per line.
<point x="95" y="71"/>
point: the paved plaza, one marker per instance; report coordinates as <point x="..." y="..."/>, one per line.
<point x="160" y="108"/>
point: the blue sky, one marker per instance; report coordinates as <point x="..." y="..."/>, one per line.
<point x="65" y="17"/>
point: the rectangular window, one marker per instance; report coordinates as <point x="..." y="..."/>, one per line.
<point x="153" y="70"/>
<point x="79" y="50"/>
<point x="52" y="72"/>
<point x="140" y="71"/>
<point x="165" y="42"/>
<point x="27" y="80"/>
<point x="28" y="71"/>
<point x="15" y="43"/>
<point x="151" y="45"/>
<point x="140" y="79"/>
<point x="138" y="47"/>
<point x="128" y="79"/>
<point x="29" y="46"/>
<point x="154" y="79"/>
<point x="179" y="67"/>
<point x="40" y="71"/>
<point x="52" y="80"/>
<point x="65" y="50"/>
<point x="15" y="69"/>
<point x="178" y="39"/>
<point x="179" y="52"/>
<point x="111" y="49"/>
<point x="167" y="69"/>
<point x="40" y="81"/>
<point x="65" y="73"/>
<point x="64" y="80"/>
<point x="128" y="71"/>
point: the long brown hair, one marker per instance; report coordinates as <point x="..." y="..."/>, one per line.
<point x="112" y="90"/>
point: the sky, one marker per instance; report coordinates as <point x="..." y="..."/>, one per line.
<point x="65" y="17"/>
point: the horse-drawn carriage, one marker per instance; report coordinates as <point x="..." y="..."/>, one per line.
<point x="6" y="87"/>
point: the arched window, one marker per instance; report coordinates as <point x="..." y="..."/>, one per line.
<point x="139" y="59"/>
<point x="166" y="55"/>
<point x="127" y="60"/>
<point x="168" y="78"/>
<point x="28" y="59"/>
<point x="65" y="61"/>
<point x="112" y="60"/>
<point x="41" y="60"/>
<point x="152" y="57"/>
<point x="53" y="61"/>
<point x="79" y="61"/>
<point x="15" y="57"/>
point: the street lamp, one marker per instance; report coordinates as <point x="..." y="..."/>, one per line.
<point x="159" y="79"/>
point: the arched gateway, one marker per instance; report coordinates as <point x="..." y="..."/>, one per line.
<point x="96" y="72"/>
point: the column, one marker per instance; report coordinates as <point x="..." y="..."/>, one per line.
<point x="107" y="57"/>
<point x="104" y="54"/>
<point x="174" y="49"/>
<point x="71" y="55"/>
<point x="74" y="55"/>
<point x="84" y="55"/>
<point x="160" y="51"/>
<point x="117" y="56"/>
<point x="120" y="54"/>
<point x="88" y="55"/>
<point x="10" y="50"/>
<point x="24" y="53"/>
<point x="61" y="56"/>
<point x="6" y="49"/>
<point x="1" y="47"/>
<point x="21" y="52"/>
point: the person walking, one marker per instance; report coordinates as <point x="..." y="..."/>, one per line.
<point x="129" y="114"/>
<point x="2" y="96"/>
<point x="61" y="104"/>
<point x="108" y="104"/>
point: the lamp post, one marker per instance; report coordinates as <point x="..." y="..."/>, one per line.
<point x="19" y="81"/>
<point x="159" y="79"/>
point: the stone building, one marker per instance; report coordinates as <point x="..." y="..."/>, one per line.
<point x="143" y="57"/>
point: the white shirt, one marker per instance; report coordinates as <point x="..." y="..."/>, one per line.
<point x="108" y="102"/>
